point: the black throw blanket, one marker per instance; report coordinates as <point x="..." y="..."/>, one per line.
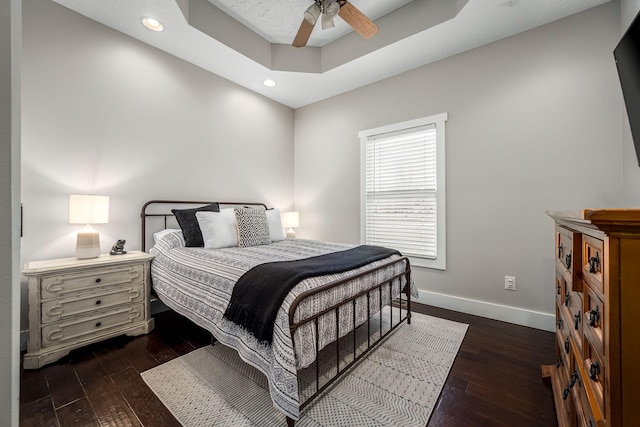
<point x="259" y="292"/>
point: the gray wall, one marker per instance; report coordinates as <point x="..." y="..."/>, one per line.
<point x="532" y="118"/>
<point x="106" y="114"/>
<point x="628" y="10"/>
<point x="9" y="209"/>
<point x="534" y="124"/>
<point x="631" y="186"/>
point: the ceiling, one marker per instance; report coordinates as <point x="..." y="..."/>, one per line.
<point x="247" y="41"/>
<point x="277" y="20"/>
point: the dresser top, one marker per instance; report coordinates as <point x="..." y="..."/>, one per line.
<point x="607" y="220"/>
<point x="104" y="260"/>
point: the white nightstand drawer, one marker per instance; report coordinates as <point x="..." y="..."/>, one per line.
<point x="102" y="299"/>
<point x="63" y="284"/>
<point x="86" y="327"/>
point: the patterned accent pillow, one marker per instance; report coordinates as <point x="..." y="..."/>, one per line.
<point x="253" y="227"/>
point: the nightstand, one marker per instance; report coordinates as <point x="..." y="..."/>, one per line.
<point x="74" y="302"/>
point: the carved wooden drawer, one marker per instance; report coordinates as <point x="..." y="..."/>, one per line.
<point x="568" y="246"/>
<point x="594" y="319"/>
<point x="584" y="413"/>
<point x="89" y="302"/>
<point x="563" y="361"/>
<point x="593" y="260"/>
<point x="560" y="288"/>
<point x="563" y="327"/>
<point x="572" y="311"/>
<point x="567" y="410"/>
<point x="75" y="302"/>
<point x="63" y="284"/>
<point x="596" y="374"/>
<point x="90" y="326"/>
<point x="588" y="403"/>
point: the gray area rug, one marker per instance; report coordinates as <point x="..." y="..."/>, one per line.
<point x="397" y="384"/>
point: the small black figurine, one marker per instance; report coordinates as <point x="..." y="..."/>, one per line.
<point x="118" y="248"/>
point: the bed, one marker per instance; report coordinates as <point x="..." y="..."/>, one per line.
<point x="324" y="324"/>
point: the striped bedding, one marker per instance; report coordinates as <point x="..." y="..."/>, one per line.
<point x="198" y="283"/>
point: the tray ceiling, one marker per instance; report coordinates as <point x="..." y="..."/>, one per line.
<point x="247" y="41"/>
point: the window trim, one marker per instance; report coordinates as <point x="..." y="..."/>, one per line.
<point x="440" y="263"/>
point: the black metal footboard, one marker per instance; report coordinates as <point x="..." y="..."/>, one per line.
<point x="401" y="307"/>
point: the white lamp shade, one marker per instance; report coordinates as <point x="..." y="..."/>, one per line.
<point x="290" y="219"/>
<point x="86" y="209"/>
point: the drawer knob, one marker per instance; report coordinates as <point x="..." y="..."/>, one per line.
<point x="98" y="280"/>
<point x="98" y="302"/>
<point x="558" y="290"/>
<point x="565" y="393"/>
<point x="566" y="346"/>
<point x="594" y="263"/>
<point x="594" y="370"/>
<point x="566" y="299"/>
<point x="576" y="320"/>
<point x="567" y="260"/>
<point x="98" y="324"/>
<point x="594" y="316"/>
<point x="560" y="250"/>
<point x="558" y="362"/>
<point x="559" y="323"/>
<point x="574" y="378"/>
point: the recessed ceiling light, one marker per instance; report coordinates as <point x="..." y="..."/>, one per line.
<point x="269" y="83"/>
<point x="152" y="23"/>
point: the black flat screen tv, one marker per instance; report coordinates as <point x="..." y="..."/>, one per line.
<point x="627" y="56"/>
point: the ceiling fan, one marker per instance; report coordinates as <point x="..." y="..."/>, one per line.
<point x="329" y="9"/>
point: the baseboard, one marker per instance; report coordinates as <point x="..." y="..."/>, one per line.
<point x="519" y="316"/>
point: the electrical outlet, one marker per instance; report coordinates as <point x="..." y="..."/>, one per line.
<point x="510" y="283"/>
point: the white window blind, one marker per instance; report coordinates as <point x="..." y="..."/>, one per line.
<point x="403" y="200"/>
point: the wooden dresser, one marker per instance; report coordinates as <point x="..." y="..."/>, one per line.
<point x="596" y="379"/>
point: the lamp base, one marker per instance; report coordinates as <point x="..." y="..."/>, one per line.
<point x="291" y="233"/>
<point x="88" y="244"/>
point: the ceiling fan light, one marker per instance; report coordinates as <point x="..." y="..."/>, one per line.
<point x="327" y="21"/>
<point x="331" y="9"/>
<point x="312" y="13"/>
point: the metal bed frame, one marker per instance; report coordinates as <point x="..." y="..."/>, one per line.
<point x="402" y="305"/>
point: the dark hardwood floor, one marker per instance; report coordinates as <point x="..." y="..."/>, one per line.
<point x="495" y="380"/>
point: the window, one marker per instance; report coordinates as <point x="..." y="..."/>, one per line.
<point x="403" y="189"/>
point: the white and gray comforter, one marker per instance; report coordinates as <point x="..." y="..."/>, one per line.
<point x="198" y="284"/>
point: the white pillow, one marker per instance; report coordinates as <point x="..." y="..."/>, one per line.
<point x="218" y="228"/>
<point x="157" y="236"/>
<point x="276" y="232"/>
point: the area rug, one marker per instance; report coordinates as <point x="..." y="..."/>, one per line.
<point x="397" y="384"/>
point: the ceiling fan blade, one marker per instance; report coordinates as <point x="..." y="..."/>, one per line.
<point x="360" y="23"/>
<point x="310" y="18"/>
<point x="304" y="32"/>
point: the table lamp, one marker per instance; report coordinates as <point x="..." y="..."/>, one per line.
<point x="290" y="220"/>
<point x="87" y="210"/>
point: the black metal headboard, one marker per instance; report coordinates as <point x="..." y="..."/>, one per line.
<point x="165" y="212"/>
